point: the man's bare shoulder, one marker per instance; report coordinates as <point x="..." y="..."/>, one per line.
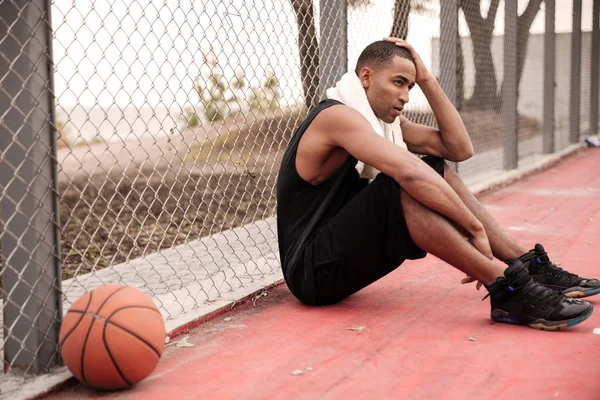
<point x="337" y="114"/>
<point x="340" y="119"/>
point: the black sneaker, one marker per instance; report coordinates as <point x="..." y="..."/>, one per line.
<point x="544" y="272"/>
<point x="517" y="299"/>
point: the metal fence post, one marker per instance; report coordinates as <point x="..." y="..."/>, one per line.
<point x="32" y="303"/>
<point x="549" y="68"/>
<point x="575" y="91"/>
<point x="595" y="68"/>
<point x="333" y="57"/>
<point x="509" y="90"/>
<point x="448" y="49"/>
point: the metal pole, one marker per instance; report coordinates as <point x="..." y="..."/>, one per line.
<point x="31" y="279"/>
<point x="595" y="68"/>
<point x="549" y="69"/>
<point x="575" y="92"/>
<point x="334" y="42"/>
<point x="509" y="92"/>
<point x="449" y="48"/>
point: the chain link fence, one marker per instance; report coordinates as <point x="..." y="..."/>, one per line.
<point x="140" y="141"/>
<point x="172" y="144"/>
<point x="480" y="91"/>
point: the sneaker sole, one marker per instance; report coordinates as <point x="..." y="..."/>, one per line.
<point x="578" y="293"/>
<point x="541" y="324"/>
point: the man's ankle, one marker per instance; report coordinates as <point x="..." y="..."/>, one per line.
<point x="523" y="257"/>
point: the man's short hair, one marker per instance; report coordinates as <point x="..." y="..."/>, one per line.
<point x="378" y="54"/>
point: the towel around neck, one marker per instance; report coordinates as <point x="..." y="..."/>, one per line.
<point x="350" y="91"/>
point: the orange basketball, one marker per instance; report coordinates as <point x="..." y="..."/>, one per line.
<point x="112" y="337"/>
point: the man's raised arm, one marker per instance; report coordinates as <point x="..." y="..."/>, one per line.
<point x="344" y="127"/>
<point x="451" y="141"/>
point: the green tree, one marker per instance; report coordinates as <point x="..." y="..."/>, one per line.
<point x="190" y="117"/>
<point x="217" y="95"/>
<point x="267" y="96"/>
<point x="211" y="88"/>
<point x="221" y="98"/>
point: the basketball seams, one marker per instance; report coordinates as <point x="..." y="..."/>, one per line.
<point x="90" y="330"/>
<point x="112" y="359"/>
<point x="141" y="339"/>
<point x="118" y="309"/>
<point x="78" y="322"/>
<point x="134" y="306"/>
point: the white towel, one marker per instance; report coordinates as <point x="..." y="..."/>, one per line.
<point x="350" y="91"/>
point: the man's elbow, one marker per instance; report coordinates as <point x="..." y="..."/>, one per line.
<point x="463" y="154"/>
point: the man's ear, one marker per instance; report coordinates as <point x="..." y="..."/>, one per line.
<point x="365" y="75"/>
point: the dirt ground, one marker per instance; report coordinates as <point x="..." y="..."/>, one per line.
<point x="217" y="185"/>
<point x="225" y="179"/>
<point x="124" y="221"/>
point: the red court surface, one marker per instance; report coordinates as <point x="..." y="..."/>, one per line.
<point x="426" y="336"/>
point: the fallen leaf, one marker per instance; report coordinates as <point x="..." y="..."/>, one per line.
<point x="358" y="328"/>
<point x="297" y="372"/>
<point x="183" y="343"/>
<point x="227" y="319"/>
<point x="309" y="368"/>
<point x="472" y="339"/>
<point x="167" y="339"/>
<point x="263" y="294"/>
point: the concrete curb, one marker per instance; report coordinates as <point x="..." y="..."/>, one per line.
<point x="539" y="164"/>
<point x="39" y="387"/>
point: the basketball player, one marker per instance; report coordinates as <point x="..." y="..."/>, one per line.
<point x="339" y="232"/>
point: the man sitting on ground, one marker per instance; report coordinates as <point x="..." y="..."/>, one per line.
<point x="355" y="202"/>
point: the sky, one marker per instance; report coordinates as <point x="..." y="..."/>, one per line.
<point x="147" y="54"/>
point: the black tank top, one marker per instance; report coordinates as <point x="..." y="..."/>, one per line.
<point x="302" y="208"/>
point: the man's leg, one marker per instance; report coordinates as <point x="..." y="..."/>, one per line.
<point x="436" y="235"/>
<point x="514" y="298"/>
<point x="503" y="246"/>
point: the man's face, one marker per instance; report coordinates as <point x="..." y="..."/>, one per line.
<point x="387" y="87"/>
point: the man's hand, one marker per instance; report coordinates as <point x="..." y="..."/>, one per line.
<point x="470" y="279"/>
<point x="450" y="140"/>
<point x="423" y="74"/>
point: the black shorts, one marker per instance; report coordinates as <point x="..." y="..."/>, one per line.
<point x="367" y="239"/>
